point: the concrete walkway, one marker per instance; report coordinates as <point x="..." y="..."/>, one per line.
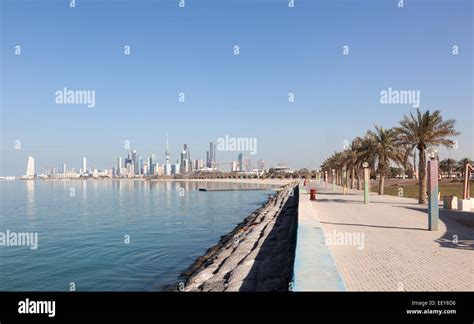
<point x="314" y="268"/>
<point x="385" y="245"/>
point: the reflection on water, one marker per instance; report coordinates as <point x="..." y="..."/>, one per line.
<point x="81" y="236"/>
<point x="84" y="189"/>
<point x="30" y="198"/>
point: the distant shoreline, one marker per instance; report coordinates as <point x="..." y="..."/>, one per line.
<point x="247" y="181"/>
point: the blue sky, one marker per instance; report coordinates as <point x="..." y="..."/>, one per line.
<point x="190" y="50"/>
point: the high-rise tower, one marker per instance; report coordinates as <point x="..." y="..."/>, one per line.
<point x="167" y="154"/>
<point x="212" y="154"/>
<point x="167" y="165"/>
<point x="30" y="168"/>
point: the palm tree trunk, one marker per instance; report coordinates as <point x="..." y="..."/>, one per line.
<point x="352" y="177"/>
<point x="359" y="182"/>
<point x="422" y="176"/>
<point x="414" y="165"/>
<point x="381" y="184"/>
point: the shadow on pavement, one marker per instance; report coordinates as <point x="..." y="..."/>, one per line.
<point x="459" y="228"/>
<point x="361" y="202"/>
<point x="377" y="226"/>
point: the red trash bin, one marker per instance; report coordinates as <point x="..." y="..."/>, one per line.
<point x="312" y="194"/>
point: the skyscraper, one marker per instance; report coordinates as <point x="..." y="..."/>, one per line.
<point x="167" y="165"/>
<point x="140" y="165"/>
<point x="240" y="158"/>
<point x="64" y="169"/>
<point x="30" y="168"/>
<point x="247" y="164"/>
<point x="119" y="166"/>
<point x="151" y="164"/>
<point x="130" y="170"/>
<point x="128" y="160"/>
<point x="185" y="160"/>
<point x="167" y="154"/>
<point x="134" y="161"/>
<point x="175" y="168"/>
<point x="199" y="164"/>
<point x="167" y="169"/>
<point x="84" y="165"/>
<point x="212" y="154"/>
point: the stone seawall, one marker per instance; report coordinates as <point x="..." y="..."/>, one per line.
<point x="258" y="255"/>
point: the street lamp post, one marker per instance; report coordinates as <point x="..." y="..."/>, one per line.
<point x="433" y="208"/>
<point x="333" y="180"/>
<point x="344" y="180"/>
<point x="365" y="165"/>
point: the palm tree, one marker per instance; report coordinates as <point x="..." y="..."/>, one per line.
<point x="363" y="148"/>
<point x="382" y="147"/>
<point x="353" y="161"/>
<point x="350" y="157"/>
<point x="407" y="154"/>
<point x="334" y="162"/>
<point x="425" y="130"/>
<point x="447" y="165"/>
<point x="461" y="165"/>
<point x="339" y="164"/>
<point x="395" y="172"/>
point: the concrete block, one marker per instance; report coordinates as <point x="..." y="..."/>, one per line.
<point x="464" y="204"/>
<point x="450" y="202"/>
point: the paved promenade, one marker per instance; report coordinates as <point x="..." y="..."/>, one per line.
<point x="385" y="246"/>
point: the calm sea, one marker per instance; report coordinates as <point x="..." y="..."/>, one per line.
<point x="113" y="235"/>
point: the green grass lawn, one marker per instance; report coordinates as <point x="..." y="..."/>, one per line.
<point x="410" y="188"/>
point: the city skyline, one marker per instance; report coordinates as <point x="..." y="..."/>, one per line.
<point x="302" y="83"/>
<point x="146" y="164"/>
